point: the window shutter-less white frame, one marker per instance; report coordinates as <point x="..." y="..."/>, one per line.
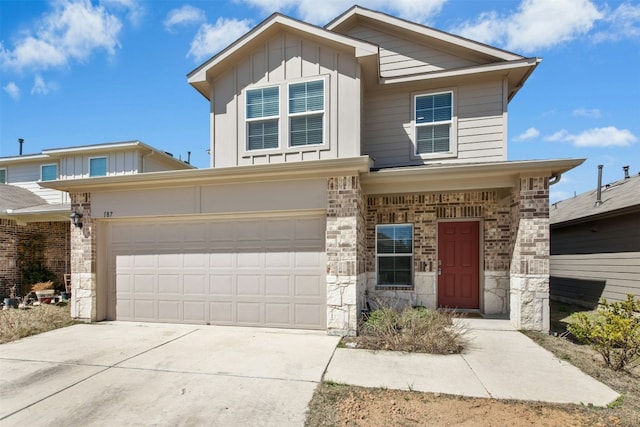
<point x="49" y="172"/>
<point x="262" y="115"/>
<point x="434" y="125"/>
<point x="306" y="111"/>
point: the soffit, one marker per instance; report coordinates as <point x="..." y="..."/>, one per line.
<point x="459" y="177"/>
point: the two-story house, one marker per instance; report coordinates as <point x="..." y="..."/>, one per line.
<point x="364" y="159"/>
<point x="34" y="220"/>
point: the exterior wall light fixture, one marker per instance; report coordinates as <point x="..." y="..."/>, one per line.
<point x="76" y="219"/>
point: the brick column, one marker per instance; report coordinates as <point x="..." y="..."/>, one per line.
<point x="529" y="271"/>
<point x="345" y="249"/>
<point x="83" y="261"/>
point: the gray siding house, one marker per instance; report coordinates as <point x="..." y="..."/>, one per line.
<point x="363" y="159"/>
<point x="595" y="244"/>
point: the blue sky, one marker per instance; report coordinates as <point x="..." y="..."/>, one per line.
<point x="75" y="72"/>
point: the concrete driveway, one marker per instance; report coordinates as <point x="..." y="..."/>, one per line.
<point x="122" y="373"/>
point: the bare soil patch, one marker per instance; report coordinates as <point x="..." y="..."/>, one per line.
<point x="344" y="405"/>
<point x="20" y="323"/>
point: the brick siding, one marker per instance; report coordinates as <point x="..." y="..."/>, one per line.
<point x="56" y="249"/>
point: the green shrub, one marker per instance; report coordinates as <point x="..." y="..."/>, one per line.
<point x="412" y="329"/>
<point x="614" y="332"/>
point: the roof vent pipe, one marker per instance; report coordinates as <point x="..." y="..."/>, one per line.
<point x="189" y="158"/>
<point x="599" y="191"/>
<point x="20" y="141"/>
<point x="626" y="172"/>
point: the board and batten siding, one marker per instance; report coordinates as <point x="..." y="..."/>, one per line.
<point x="118" y="163"/>
<point x="400" y="56"/>
<point x="600" y="256"/>
<point x="480" y="111"/>
<point x="284" y="58"/>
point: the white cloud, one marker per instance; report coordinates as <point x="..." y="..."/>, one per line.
<point x="536" y="25"/>
<point x="558" y="136"/>
<point x="528" y="134"/>
<point x="589" y="113"/>
<point x="210" y="39"/>
<point x="133" y="8"/>
<point x="321" y="12"/>
<point x="184" y="15"/>
<point x="624" y="22"/>
<point x="597" y="137"/>
<point x="603" y="137"/>
<point x="13" y="90"/>
<point x="72" y="31"/>
<point x="40" y="87"/>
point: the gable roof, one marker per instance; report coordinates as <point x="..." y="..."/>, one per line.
<point x="361" y="14"/>
<point x="486" y="59"/>
<point x="619" y="197"/>
<point x="274" y="23"/>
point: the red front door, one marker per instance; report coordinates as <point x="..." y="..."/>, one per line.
<point x="458" y="264"/>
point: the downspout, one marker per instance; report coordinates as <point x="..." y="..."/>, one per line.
<point x="555" y="178"/>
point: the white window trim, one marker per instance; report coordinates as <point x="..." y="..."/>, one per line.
<point x="49" y="164"/>
<point x="410" y="285"/>
<point x="453" y="134"/>
<point x="283" y="120"/>
<point x="262" y="119"/>
<point x="6" y="178"/>
<point x="325" y="97"/>
<point x="89" y="166"/>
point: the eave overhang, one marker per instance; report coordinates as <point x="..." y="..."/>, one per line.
<point x="517" y="72"/>
<point x="358" y="13"/>
<point x="237" y="174"/>
<point x="461" y="177"/>
<point x="44" y="213"/>
<point x="594" y="217"/>
<point x="202" y="77"/>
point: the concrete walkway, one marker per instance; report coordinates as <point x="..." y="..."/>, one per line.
<point x="500" y="363"/>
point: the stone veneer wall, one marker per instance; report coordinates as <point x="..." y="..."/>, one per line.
<point x="83" y="261"/>
<point x="423" y="211"/>
<point x="345" y="228"/>
<point x="529" y="274"/>
<point x="56" y="249"/>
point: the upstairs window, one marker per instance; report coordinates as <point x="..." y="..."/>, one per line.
<point x="263" y="111"/>
<point x="48" y="172"/>
<point x="433" y="121"/>
<point x="394" y="254"/>
<point x="98" y="166"/>
<point x="3" y="176"/>
<point x="306" y="113"/>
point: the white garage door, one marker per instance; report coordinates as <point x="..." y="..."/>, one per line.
<point x="258" y="272"/>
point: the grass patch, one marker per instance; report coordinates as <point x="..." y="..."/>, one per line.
<point x="339" y="404"/>
<point x="625" y="411"/>
<point x="20" y="323"/>
<point x="412" y="329"/>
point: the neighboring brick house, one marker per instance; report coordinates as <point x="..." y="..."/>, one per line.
<point x="595" y="244"/>
<point x="360" y="160"/>
<point x="36" y="219"/>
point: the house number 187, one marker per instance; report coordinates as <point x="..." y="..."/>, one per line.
<point x="108" y="214"/>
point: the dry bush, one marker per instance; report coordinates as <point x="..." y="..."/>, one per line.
<point x="20" y="323"/>
<point x="42" y="286"/>
<point x="412" y="329"/>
